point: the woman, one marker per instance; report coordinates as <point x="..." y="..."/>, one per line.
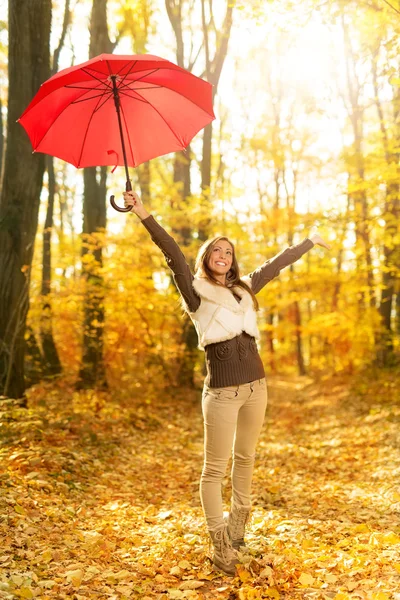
<point x="223" y="306"/>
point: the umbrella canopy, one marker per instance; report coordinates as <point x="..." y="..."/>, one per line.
<point x="161" y="108"/>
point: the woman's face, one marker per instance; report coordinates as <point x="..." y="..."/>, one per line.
<point x="220" y="260"/>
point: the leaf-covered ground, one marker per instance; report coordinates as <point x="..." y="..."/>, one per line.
<point x="99" y="495"/>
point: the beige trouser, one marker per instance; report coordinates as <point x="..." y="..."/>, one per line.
<point x="233" y="418"/>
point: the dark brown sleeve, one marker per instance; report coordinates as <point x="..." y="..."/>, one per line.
<point x="175" y="260"/>
<point x="272" y="267"/>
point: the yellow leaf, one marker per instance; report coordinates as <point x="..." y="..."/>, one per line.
<point x="342" y="596"/>
<point x="191" y="585"/>
<point x="306" y="579"/>
<point x="184" y="564"/>
<point x="47" y="583"/>
<point x="75" y="577"/>
<point x="46" y="556"/>
<point x="361" y="528"/>
<point x="397" y="567"/>
<point x="175" y="594"/>
<point x="243" y="573"/>
<point x="273" y="593"/>
<point x="390" y="538"/>
<point x="18" y="509"/>
<point x="266" y="572"/>
<point x="373" y="540"/>
<point x="124" y="574"/>
<point x="25" y="592"/>
<point x="329" y="578"/>
<point x="306" y="544"/>
<point x="380" y="596"/>
<point x="248" y="593"/>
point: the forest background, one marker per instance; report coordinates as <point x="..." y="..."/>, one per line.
<point x="307" y="135"/>
<point x="96" y="355"/>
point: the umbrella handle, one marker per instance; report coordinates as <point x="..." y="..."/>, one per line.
<point x="128" y="188"/>
<point x="118" y="208"/>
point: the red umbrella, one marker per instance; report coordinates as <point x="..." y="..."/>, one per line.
<point x="118" y="110"/>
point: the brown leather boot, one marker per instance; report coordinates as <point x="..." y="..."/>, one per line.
<point x="237" y="520"/>
<point x="225" y="557"/>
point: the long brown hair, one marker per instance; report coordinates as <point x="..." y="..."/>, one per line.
<point x="232" y="277"/>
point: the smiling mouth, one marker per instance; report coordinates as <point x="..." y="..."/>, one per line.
<point x="221" y="264"/>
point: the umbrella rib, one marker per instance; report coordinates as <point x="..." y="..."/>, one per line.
<point x="143" y="76"/>
<point x="127" y="87"/>
<point x="154" y="87"/>
<point x="94" y="71"/>
<point x="171" y="90"/>
<point x="81" y="87"/>
<point x="102" y="81"/>
<point x="57" y="117"/>
<point x="168" y="125"/>
<point x="87" y="130"/>
<point x="133" y="97"/>
<point x="126" y="74"/>
<point x="106" y="99"/>
<point x="91" y="98"/>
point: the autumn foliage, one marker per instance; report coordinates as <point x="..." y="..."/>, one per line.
<point x="100" y="495"/>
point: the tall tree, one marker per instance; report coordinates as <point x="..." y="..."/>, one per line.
<point x="28" y="66"/>
<point x="176" y="10"/>
<point x="51" y="360"/>
<point x="357" y="165"/>
<point x="92" y="372"/>
<point x="390" y="135"/>
<point x="213" y="71"/>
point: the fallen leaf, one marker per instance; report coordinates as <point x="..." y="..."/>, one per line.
<point x="174" y="594"/>
<point x="306" y="579"/>
<point x="191" y="585"/>
<point x="25" y="592"/>
<point x="243" y="573"/>
<point x="273" y="593"/>
<point x="75" y="577"/>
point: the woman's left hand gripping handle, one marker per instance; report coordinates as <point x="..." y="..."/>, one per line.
<point x="134" y="204"/>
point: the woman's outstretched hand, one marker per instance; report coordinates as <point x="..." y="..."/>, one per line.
<point x="318" y="240"/>
<point x="133" y="199"/>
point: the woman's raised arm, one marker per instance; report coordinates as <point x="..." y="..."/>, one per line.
<point x="175" y="259"/>
<point x="271" y="268"/>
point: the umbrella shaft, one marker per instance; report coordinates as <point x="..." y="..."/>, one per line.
<point x="118" y="109"/>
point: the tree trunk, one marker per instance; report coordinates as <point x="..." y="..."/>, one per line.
<point x="391" y="214"/>
<point x="52" y="364"/>
<point x="93" y="372"/>
<point x="1" y="141"/>
<point x="28" y="67"/>
<point x="51" y="360"/>
<point x="144" y="176"/>
<point x="357" y="171"/>
<point x="182" y="181"/>
<point x="213" y="74"/>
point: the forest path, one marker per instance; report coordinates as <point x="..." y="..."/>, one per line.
<point x="100" y="498"/>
